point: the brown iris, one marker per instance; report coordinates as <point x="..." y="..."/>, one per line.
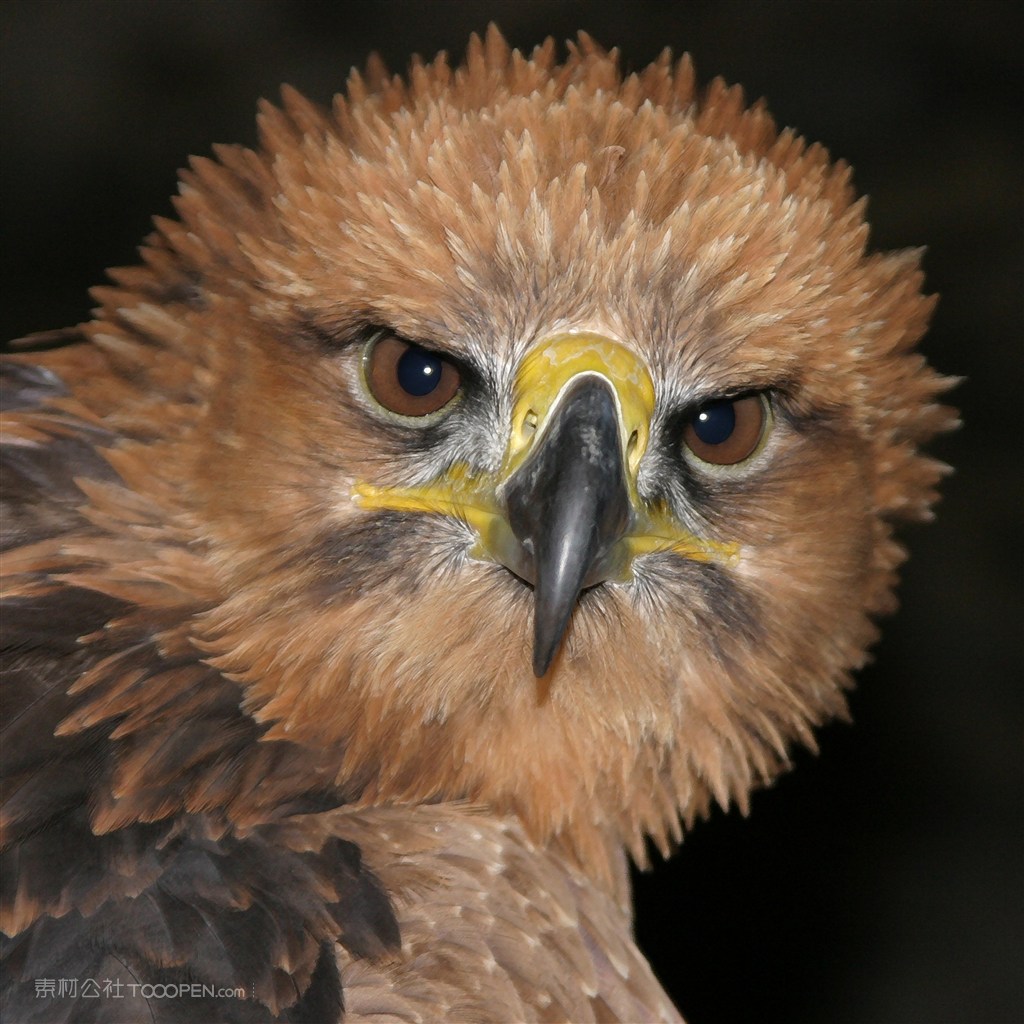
<point x="407" y="379"/>
<point x="727" y="431"/>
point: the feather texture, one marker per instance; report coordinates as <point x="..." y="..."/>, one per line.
<point x="256" y="734"/>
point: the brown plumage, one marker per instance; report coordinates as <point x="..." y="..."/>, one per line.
<point x="301" y="697"/>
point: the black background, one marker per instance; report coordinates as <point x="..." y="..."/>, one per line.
<point x="881" y="880"/>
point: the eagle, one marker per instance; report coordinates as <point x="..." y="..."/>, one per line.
<point x="474" y="482"/>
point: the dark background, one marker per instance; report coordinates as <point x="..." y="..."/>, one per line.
<point x="881" y="881"/>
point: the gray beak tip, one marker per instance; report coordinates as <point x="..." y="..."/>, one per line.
<point x="547" y="639"/>
<point x="568" y="504"/>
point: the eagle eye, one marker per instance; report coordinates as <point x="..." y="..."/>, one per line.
<point x="408" y="380"/>
<point x="727" y="431"/>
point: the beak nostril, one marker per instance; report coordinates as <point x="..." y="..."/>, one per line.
<point x="634" y="440"/>
<point x="529" y="427"/>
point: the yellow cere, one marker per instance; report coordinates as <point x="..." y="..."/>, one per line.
<point x="543" y="376"/>
<point x="549" y="367"/>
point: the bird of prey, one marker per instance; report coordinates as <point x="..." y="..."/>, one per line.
<point x="477" y="478"/>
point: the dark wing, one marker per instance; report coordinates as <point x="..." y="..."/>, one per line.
<point x="235" y="930"/>
<point x="128" y="766"/>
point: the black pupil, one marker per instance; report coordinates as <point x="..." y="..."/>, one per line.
<point x="715" y="423"/>
<point x="419" y="371"/>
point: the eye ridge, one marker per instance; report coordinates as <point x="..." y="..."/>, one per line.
<point x="407" y="380"/>
<point x="727" y="431"/>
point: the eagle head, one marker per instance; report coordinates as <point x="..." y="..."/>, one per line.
<point x="524" y="434"/>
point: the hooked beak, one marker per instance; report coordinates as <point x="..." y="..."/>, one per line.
<point x="568" y="506"/>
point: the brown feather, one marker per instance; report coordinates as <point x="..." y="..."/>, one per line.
<point x="213" y="638"/>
